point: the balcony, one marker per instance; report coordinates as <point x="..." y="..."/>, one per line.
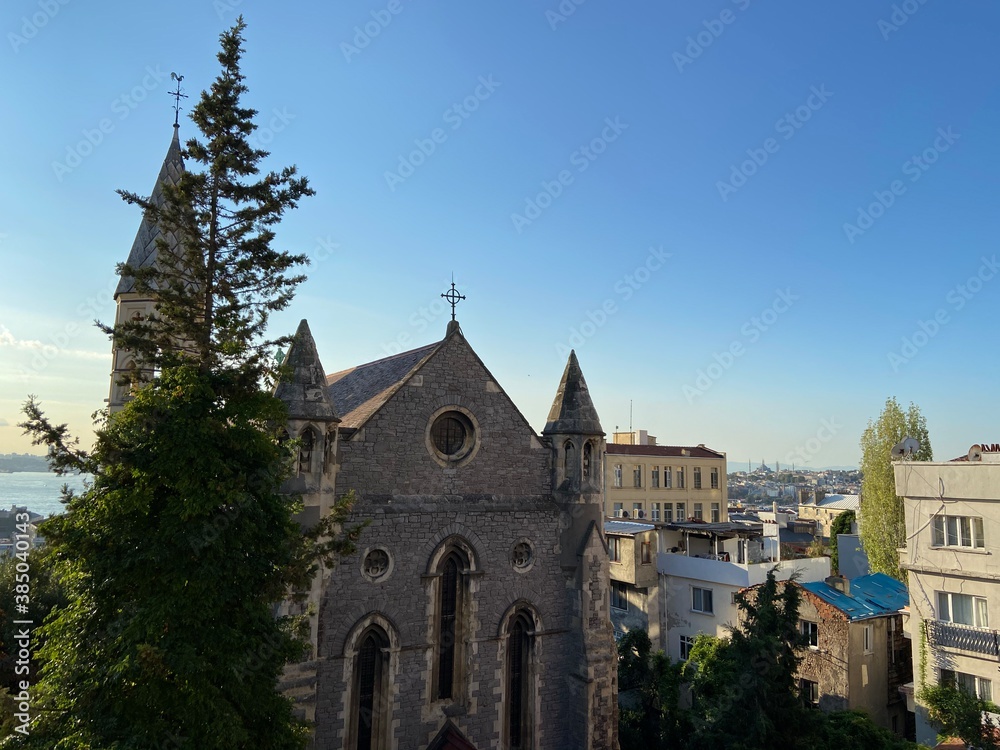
<point x="963" y="637"/>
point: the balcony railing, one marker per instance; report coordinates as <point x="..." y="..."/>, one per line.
<point x="963" y="637"/>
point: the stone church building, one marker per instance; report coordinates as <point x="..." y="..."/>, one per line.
<point x="475" y="612"/>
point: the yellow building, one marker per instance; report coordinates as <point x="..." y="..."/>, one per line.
<point x="664" y="483"/>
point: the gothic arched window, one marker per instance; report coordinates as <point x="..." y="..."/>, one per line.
<point x="308" y="445"/>
<point x="371" y="689"/>
<point x="449" y="623"/>
<point x="588" y="451"/>
<point x="569" y="460"/>
<point x="519" y="680"/>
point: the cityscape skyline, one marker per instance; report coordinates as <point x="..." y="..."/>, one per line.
<point x="752" y="224"/>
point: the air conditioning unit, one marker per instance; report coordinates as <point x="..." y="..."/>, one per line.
<point x="641" y="514"/>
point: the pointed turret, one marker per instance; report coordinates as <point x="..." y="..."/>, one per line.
<point x="133" y="305"/>
<point x="573" y="411"/>
<point x="143" y="253"/>
<point x="305" y="392"/>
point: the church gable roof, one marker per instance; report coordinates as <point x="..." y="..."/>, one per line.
<point x="359" y="392"/>
<point x="143" y="252"/>
<point x="305" y="391"/>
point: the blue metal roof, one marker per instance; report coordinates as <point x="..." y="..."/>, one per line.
<point x="871" y="596"/>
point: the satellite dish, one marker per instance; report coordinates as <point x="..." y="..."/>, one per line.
<point x="976" y="453"/>
<point x="905" y="447"/>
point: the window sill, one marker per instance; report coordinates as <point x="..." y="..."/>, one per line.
<point x="959" y="548"/>
<point x="700" y="612"/>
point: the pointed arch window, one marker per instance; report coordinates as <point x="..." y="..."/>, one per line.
<point x="371" y="683"/>
<point x="519" y="680"/>
<point x="569" y="459"/>
<point x="308" y="445"/>
<point x="588" y="451"/>
<point x="449" y="631"/>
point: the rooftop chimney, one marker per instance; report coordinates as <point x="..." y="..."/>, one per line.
<point x="840" y="583"/>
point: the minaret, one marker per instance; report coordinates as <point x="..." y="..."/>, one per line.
<point x="577" y="443"/>
<point x="312" y="419"/>
<point x="131" y="304"/>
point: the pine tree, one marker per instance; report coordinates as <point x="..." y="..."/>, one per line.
<point x="882" y="526"/>
<point x="174" y="559"/>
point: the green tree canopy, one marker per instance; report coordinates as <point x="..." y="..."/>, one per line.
<point x="842" y="524"/>
<point x="883" y="529"/>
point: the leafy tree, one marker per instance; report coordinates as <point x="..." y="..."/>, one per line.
<point x="883" y="530"/>
<point x="655" y="718"/>
<point x="174" y="559"/>
<point x="960" y="714"/>
<point x="842" y="524"/>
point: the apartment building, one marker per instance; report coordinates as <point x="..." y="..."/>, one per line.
<point x="634" y="580"/>
<point x="952" y="513"/>
<point x="664" y="483"/>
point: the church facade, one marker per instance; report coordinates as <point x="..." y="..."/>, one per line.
<point x="475" y="611"/>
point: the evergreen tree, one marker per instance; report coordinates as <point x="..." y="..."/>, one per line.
<point x="883" y="530"/>
<point x="175" y="558"/>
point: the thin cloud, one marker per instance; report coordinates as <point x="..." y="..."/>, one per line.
<point x="8" y="339"/>
<point x="4" y="422"/>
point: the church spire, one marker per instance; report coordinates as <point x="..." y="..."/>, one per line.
<point x="305" y="392"/>
<point x="573" y="410"/>
<point x="143" y="253"/>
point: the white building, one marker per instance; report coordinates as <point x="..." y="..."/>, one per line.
<point x="952" y="512"/>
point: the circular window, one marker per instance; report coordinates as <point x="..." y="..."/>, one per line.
<point x="522" y="556"/>
<point x="452" y="437"/>
<point x="376" y="564"/>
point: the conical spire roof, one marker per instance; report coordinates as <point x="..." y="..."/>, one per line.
<point x="143" y="253"/>
<point x="573" y="412"/>
<point x="305" y="393"/>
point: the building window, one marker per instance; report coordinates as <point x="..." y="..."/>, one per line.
<point x="698" y="512"/>
<point x="980" y="687"/>
<point x="715" y="479"/>
<point x="716" y="513"/>
<point x="569" y="460"/>
<point x="656" y="512"/>
<point x="680" y="477"/>
<point x="681" y="512"/>
<point x="618" y="475"/>
<point x="654" y="477"/>
<point x="869" y="646"/>
<point x="958" y="531"/>
<point x="371" y="688"/>
<point x="519" y="652"/>
<point x="811" y="632"/>
<point x="697" y="477"/>
<point x="963" y="609"/>
<point x="701" y="600"/>
<point x="687" y="643"/>
<point x="614" y="548"/>
<point x="637" y="510"/>
<point x="619" y="595"/>
<point x="668" y="513"/>
<point x="449" y="631"/>
<point x="588" y="454"/>
<point x="637" y="476"/>
<point x="646" y="551"/>
<point x="809" y="691"/>
<point x="307" y="444"/>
<point x="619" y="510"/>
<point x="668" y="476"/>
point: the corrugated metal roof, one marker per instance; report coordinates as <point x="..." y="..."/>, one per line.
<point x="626" y="527"/>
<point x="662" y="450"/>
<point x="871" y="596"/>
<point x="840" y="502"/>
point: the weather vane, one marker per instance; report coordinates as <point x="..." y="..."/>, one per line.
<point x="453" y="296"/>
<point x="177" y="96"/>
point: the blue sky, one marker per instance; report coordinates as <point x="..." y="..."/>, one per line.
<point x="738" y="214"/>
